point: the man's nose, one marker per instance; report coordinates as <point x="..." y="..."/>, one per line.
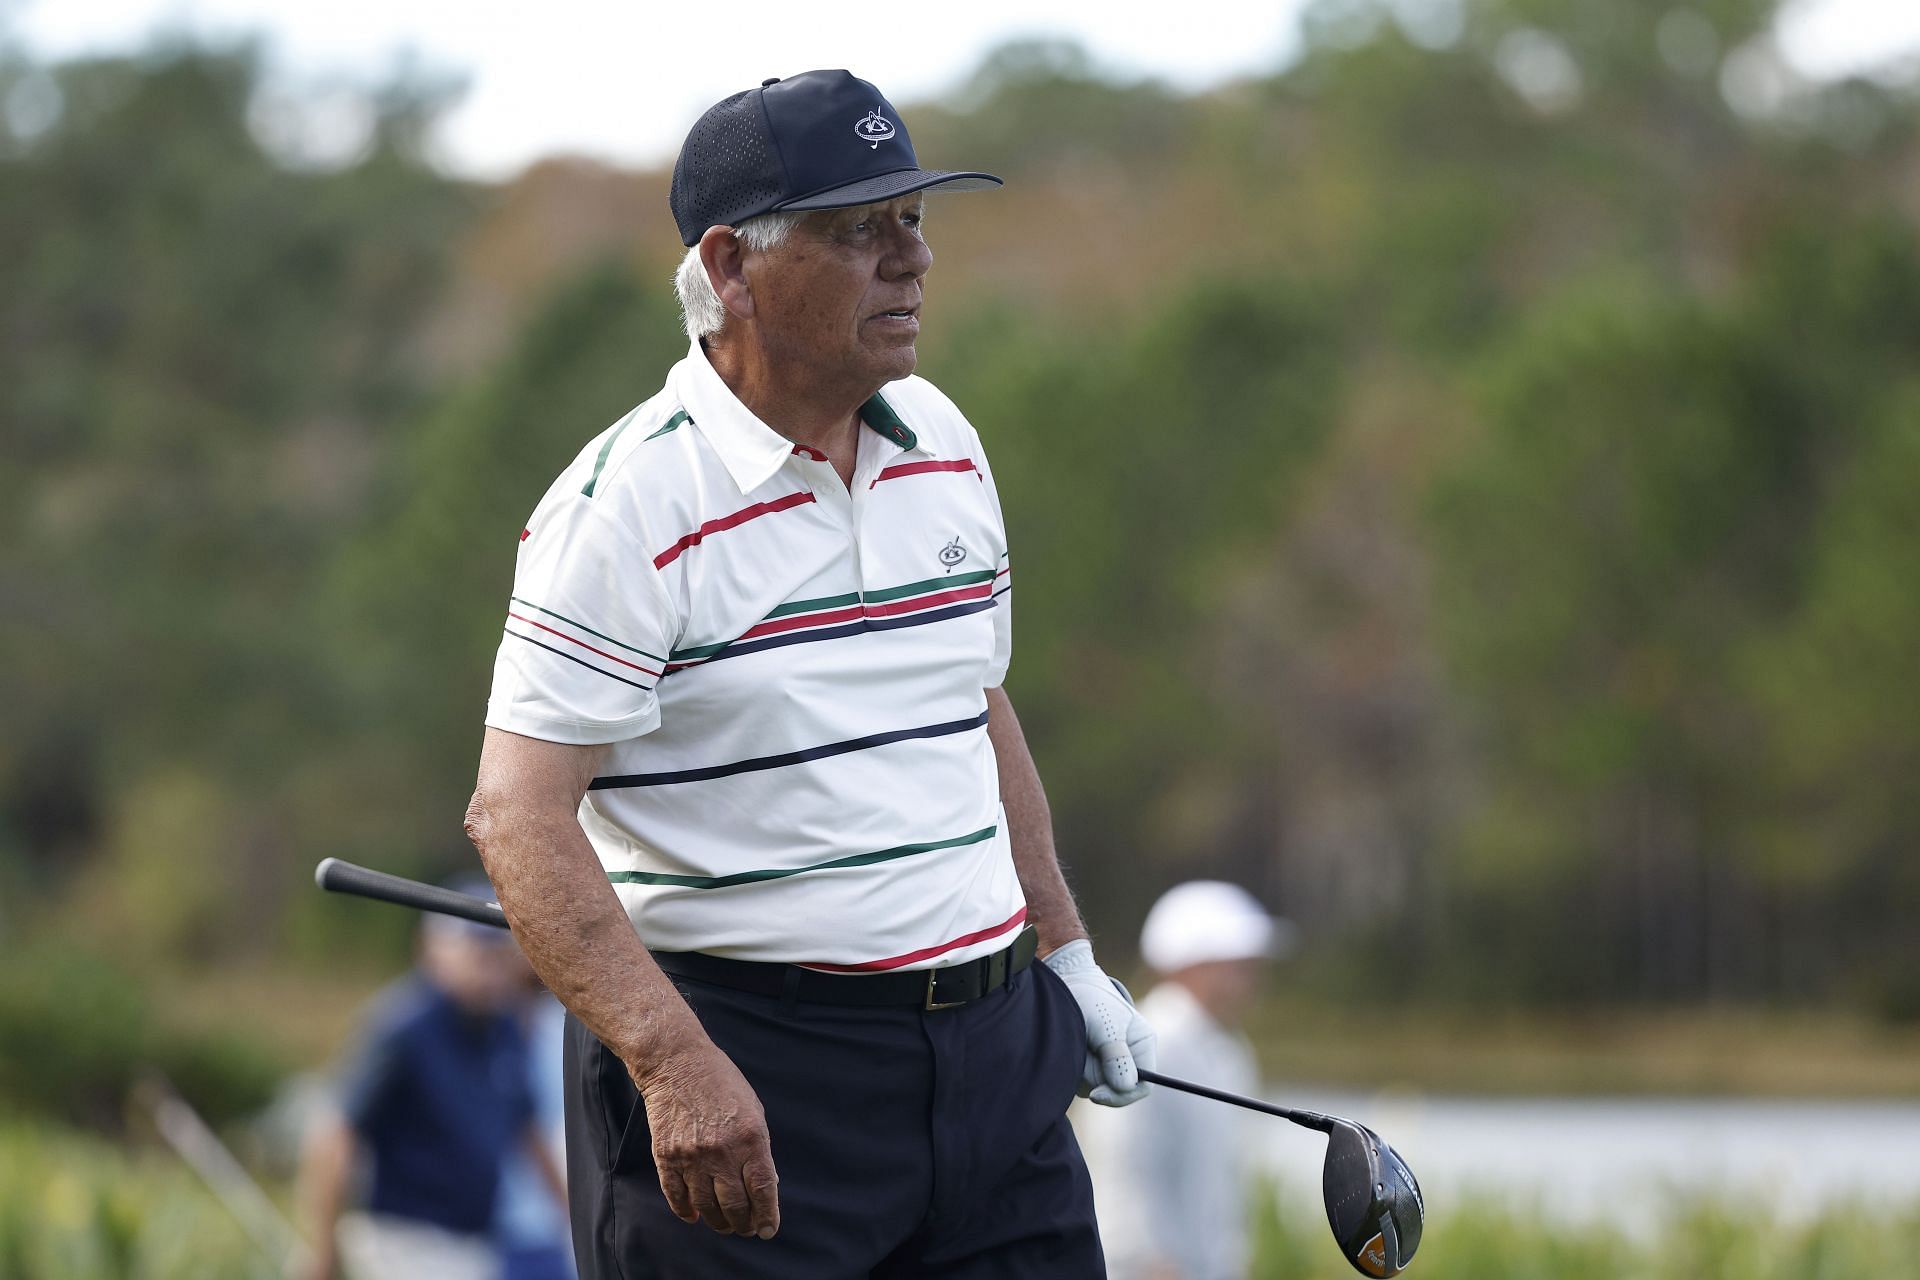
<point x="908" y="257"/>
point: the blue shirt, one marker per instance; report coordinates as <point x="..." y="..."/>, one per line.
<point x="441" y="1097"/>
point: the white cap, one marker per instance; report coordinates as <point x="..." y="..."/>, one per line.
<point x="1206" y="920"/>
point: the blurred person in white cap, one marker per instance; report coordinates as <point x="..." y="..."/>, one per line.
<point x="1171" y="1177"/>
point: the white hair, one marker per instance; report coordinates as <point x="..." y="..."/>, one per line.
<point x="700" y="311"/>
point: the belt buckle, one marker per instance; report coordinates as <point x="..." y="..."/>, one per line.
<point x="930" y="1004"/>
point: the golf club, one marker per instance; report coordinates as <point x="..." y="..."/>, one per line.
<point x="1373" y="1203"/>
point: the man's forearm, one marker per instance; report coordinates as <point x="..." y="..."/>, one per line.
<point x="710" y="1142"/>
<point x="540" y="1152"/>
<point x="1050" y="906"/>
<point x="565" y="915"/>
<point x="326" y="1161"/>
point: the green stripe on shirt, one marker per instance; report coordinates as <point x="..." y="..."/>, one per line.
<point x="679" y="416"/>
<point x="780" y="873"/>
<point x="944" y="583"/>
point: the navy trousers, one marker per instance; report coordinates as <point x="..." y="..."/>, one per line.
<point x="909" y="1143"/>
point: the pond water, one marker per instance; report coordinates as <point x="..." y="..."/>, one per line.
<point x="1626" y="1161"/>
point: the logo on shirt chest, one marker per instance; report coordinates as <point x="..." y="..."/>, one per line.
<point x="952" y="554"/>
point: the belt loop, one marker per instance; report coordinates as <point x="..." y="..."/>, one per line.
<point x="790" y="991"/>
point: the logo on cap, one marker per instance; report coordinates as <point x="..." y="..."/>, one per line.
<point x="874" y="128"/>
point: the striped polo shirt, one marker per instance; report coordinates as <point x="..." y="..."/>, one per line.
<point x="791" y="673"/>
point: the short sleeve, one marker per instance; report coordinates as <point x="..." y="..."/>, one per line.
<point x="587" y="630"/>
<point x="1002" y="585"/>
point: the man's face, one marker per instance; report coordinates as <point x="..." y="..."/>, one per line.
<point x="1225" y="988"/>
<point x="841" y="298"/>
<point x="481" y="974"/>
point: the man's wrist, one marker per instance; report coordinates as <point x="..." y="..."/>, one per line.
<point x="672" y="1066"/>
<point x="1051" y="940"/>
<point x="665" y="1043"/>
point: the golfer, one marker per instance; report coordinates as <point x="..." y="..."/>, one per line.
<point x="1174" y="1179"/>
<point x="435" y="1102"/>
<point x="752" y="796"/>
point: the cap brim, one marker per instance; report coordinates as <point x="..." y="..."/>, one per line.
<point x="888" y="186"/>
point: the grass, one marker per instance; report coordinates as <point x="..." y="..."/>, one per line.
<point x="307" y="1017"/>
<point x="1701" y="1052"/>
<point x="75" y="1208"/>
<point x="1701" y="1242"/>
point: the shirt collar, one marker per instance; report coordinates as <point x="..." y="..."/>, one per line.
<point x="751" y="450"/>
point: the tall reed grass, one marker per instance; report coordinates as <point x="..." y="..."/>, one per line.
<point x="76" y="1208"/>
<point x="1700" y="1241"/>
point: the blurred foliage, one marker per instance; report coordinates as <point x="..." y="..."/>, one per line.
<point x="72" y="1208"/>
<point x="1699" y="1241"/>
<point x="1461" y="485"/>
<point x="428" y="575"/>
<point x="76" y="1031"/>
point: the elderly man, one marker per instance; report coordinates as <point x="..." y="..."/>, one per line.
<point x="751" y="794"/>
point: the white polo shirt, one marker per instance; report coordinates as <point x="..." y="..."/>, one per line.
<point x="792" y="674"/>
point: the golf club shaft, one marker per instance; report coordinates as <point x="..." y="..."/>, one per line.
<point x="336" y="876"/>
<point x="1311" y="1119"/>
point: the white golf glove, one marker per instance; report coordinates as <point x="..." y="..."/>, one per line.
<point x="1119" y="1041"/>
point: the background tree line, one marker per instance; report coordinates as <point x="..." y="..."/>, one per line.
<point x="1462" y="485"/>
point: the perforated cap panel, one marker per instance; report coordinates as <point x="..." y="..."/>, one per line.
<point x="736" y="173"/>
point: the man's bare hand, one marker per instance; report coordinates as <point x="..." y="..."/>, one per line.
<point x="710" y="1144"/>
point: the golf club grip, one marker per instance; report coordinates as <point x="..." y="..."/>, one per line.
<point x="336" y="876"/>
<point x="1311" y="1119"/>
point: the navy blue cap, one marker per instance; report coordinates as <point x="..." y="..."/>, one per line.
<point x="819" y="140"/>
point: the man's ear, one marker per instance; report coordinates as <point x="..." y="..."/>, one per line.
<point x="724" y="257"/>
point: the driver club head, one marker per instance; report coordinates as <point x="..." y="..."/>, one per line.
<point x="1373" y="1203"/>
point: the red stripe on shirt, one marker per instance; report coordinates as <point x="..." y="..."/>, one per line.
<point x="847" y="614"/>
<point x="917" y="603"/>
<point x="1008" y="925"/>
<point x="733" y="521"/>
<point x="798" y="620"/>
<point x="919" y="468"/>
<point x="582" y="643"/>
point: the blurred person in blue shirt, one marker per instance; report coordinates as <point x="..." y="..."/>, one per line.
<point x="435" y="1098"/>
<point x="533" y="1232"/>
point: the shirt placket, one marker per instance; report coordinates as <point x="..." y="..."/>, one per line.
<point x="849" y="502"/>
